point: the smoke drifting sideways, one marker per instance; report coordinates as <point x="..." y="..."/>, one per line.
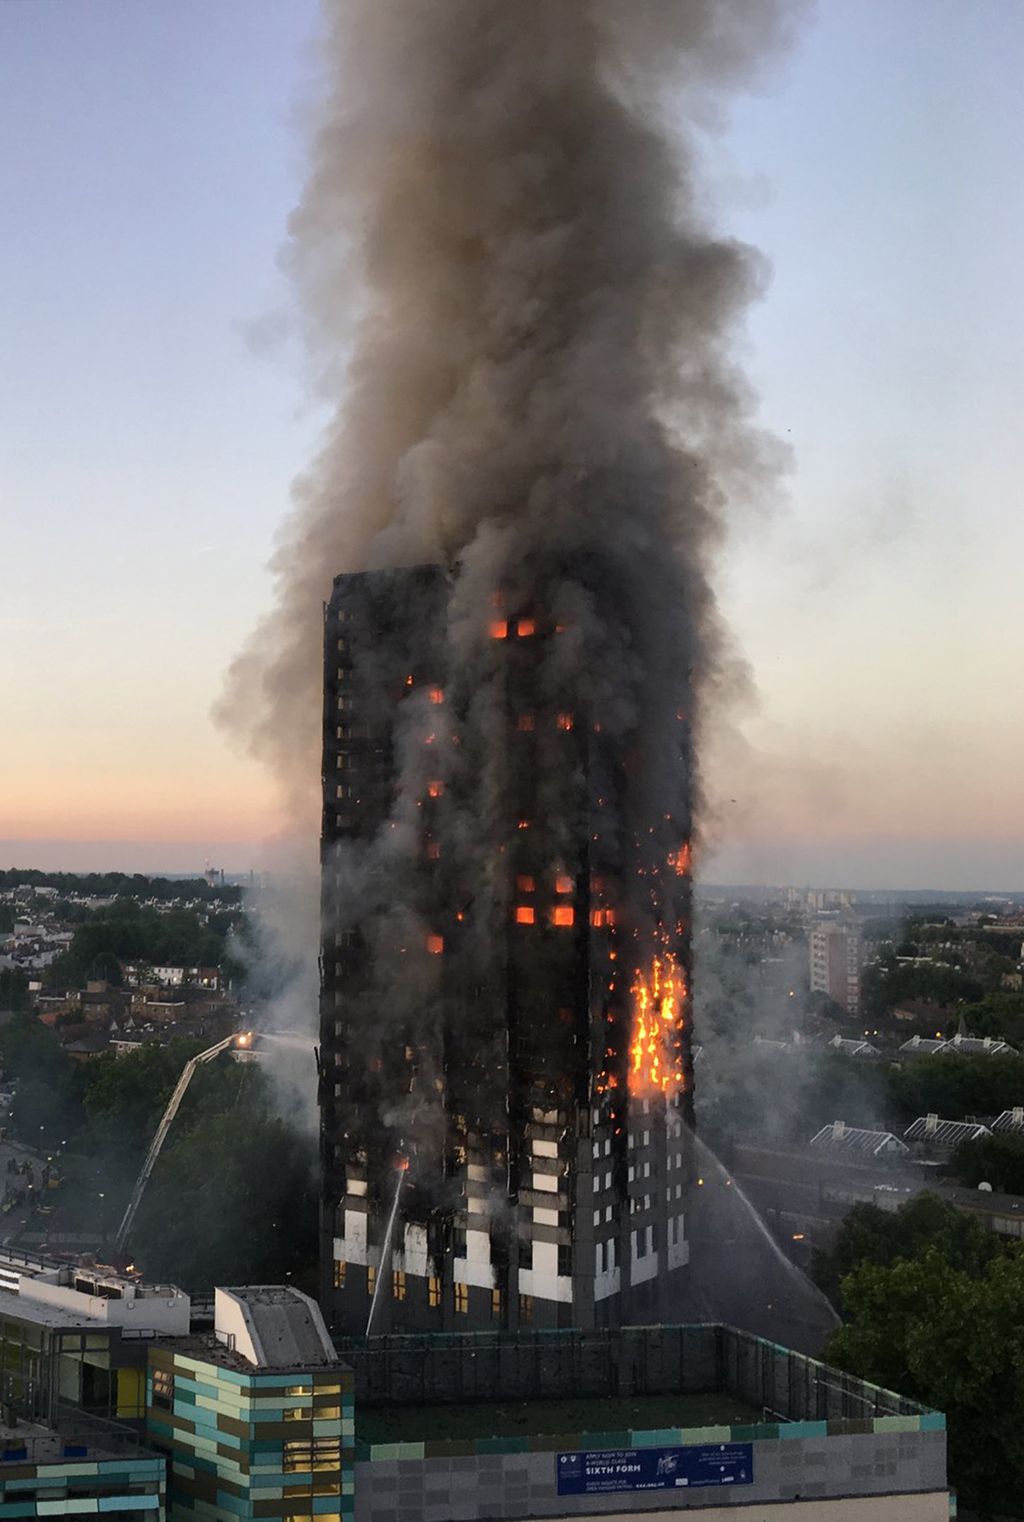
<point x="523" y="329"/>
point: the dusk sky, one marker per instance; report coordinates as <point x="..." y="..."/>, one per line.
<point x="153" y="413"/>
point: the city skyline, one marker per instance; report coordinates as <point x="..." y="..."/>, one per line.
<point x="155" y="416"/>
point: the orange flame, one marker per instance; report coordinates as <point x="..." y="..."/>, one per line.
<point x="681" y="861"/>
<point x="659" y="998"/>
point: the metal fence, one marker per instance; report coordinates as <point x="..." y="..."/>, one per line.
<point x="425" y="1369"/>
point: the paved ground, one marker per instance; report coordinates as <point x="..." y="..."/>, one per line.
<point x="22" y="1189"/>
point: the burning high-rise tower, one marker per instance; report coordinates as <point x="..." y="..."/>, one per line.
<point x="523" y="323"/>
<point x="504" y="1060"/>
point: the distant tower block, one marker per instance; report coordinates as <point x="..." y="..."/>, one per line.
<point x="836" y="959"/>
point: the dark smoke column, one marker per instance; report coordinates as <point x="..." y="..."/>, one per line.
<point x="538" y="406"/>
<point x="504" y="1020"/>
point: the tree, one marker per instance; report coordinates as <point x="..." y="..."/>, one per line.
<point x="955" y="1342"/>
<point x="999" y="1014"/>
<point x="997" y="1160"/>
<point x="232" y="1201"/>
<point x="953" y="1086"/>
<point x="49" y="1084"/>
<point x="124" y="1097"/>
<point x="13" y="989"/>
<point x="882" y="1238"/>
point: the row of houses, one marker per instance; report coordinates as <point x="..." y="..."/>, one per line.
<point x="960" y="1045"/>
<point x="927" y="1135"/>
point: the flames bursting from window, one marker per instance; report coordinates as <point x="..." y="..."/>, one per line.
<point x="659" y="1012"/>
<point x="681" y="861"/>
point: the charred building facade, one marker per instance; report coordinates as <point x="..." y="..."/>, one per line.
<point x="505" y="1081"/>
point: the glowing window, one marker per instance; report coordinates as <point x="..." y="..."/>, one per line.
<point x="526" y="627"/>
<point x="499" y="628"/>
<point x="602" y="919"/>
<point x="398" y="1284"/>
<point x="526" y="884"/>
<point x="436" y="695"/>
<point x="462" y="1298"/>
<point x="339" y="1273"/>
<point x="434" y="1292"/>
<point x="525" y="723"/>
<point x="435" y="945"/>
<point x="564" y="721"/>
<point x="495" y="1302"/>
<point x="371" y="1279"/>
<point x="298" y="1456"/>
<point x="163" y="1388"/>
<point x="435" y="789"/>
<point x="562" y="915"/>
<point x="524" y="824"/>
<point x="563" y="884"/>
<point x="525" y="914"/>
<point x="526" y="1309"/>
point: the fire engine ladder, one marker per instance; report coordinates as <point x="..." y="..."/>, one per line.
<point x="173" y="1105"/>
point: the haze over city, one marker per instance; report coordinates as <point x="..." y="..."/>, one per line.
<point x="156" y="412"/>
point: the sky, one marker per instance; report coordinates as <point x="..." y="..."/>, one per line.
<point x="153" y="413"/>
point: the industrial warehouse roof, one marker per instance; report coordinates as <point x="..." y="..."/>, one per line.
<point x="839" y="1137"/>
<point x="934" y="1132"/>
<point x="1009" y="1120"/>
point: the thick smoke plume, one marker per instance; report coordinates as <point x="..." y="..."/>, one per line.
<point x="523" y="323"/>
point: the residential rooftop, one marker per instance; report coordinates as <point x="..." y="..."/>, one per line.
<point x="839" y="1137"/>
<point x="933" y="1131"/>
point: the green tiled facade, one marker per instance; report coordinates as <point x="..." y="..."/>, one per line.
<point x="87" y="1486"/>
<point x="253" y="1444"/>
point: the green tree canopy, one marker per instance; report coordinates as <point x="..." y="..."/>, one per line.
<point x="997" y="1160"/>
<point x="881" y="1237"/>
<point x="232" y="1201"/>
<point x="13" y="989"/>
<point x="955" y="1341"/>
<point x="954" y="1086"/>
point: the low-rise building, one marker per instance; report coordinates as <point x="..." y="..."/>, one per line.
<point x="976" y="1046"/>
<point x="653" y="1421"/>
<point x="935" y="1137"/>
<point x="848" y="1047"/>
<point x="857" y="1141"/>
<point x="76" y="1470"/>
<point x="255" y="1417"/>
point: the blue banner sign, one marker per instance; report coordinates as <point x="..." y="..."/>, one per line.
<point x="595" y="1474"/>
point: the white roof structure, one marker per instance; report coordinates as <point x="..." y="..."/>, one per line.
<point x="272" y="1326"/>
<point x="932" y="1131"/>
<point x="839" y="1137"/>
<point x="922" y="1045"/>
<point x="1009" y="1120"/>
<point x="963" y="1046"/>
<point x="978" y="1046"/>
<point x="853" y="1048"/>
